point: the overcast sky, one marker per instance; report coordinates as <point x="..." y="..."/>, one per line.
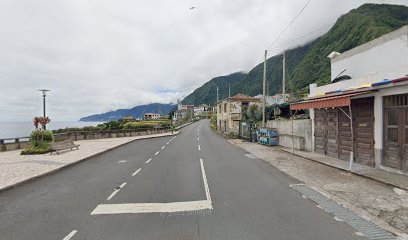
<point x="101" y="55"/>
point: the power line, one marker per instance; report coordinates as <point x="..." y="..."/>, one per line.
<point x="288" y="26"/>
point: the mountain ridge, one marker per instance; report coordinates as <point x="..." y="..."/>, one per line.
<point x="136" y="112"/>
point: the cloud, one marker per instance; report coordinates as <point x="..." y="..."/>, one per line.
<point x="97" y="56"/>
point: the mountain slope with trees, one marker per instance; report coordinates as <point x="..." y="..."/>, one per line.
<point x="207" y="93"/>
<point x="309" y="63"/>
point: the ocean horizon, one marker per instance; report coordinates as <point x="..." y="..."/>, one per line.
<point x="17" y="129"/>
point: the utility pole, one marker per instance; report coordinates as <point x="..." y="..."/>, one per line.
<point x="284" y="76"/>
<point x="44" y="95"/>
<point x="229" y="90"/>
<point x="217" y="96"/>
<point x="264" y="89"/>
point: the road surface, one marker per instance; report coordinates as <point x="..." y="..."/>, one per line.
<point x="192" y="186"/>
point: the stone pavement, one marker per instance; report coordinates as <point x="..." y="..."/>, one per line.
<point x="393" y="179"/>
<point x="380" y="203"/>
<point x="16" y="168"/>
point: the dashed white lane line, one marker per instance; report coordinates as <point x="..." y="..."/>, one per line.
<point x="116" y="191"/>
<point x="167" y="143"/>
<point x="157" y="153"/>
<point x="122" y="161"/>
<point x="149" y="160"/>
<point x="198" y="139"/>
<point x="163" y="147"/>
<point x="199" y="148"/>
<point x="137" y="171"/>
<point x="70" y="235"/>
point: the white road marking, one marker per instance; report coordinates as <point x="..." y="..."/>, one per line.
<point x="137" y="171"/>
<point x="70" y="235"/>
<point x="207" y="190"/>
<point x="122" y="161"/>
<point x="116" y="191"/>
<point x="159" y="207"/>
<point x="151" y="207"/>
<point x="167" y="143"/>
<point x="149" y="160"/>
<point x="199" y="148"/>
<point x="198" y="139"/>
<point x="157" y="153"/>
<point x="163" y="147"/>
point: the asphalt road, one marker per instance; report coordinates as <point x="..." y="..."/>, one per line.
<point x="172" y="196"/>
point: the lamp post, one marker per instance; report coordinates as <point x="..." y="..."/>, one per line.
<point x="44" y="95"/>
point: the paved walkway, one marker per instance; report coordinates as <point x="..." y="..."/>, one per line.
<point x="16" y="168"/>
<point x="380" y="203"/>
<point x="393" y="179"/>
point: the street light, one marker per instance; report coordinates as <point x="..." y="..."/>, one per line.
<point x="44" y="94"/>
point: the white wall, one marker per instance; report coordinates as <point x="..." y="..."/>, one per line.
<point x="383" y="54"/>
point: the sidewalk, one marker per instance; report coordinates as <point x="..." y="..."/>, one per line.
<point x="380" y="203"/>
<point x="393" y="179"/>
<point x="16" y="169"/>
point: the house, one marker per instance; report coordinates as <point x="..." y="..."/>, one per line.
<point x="275" y="99"/>
<point x="151" y="116"/>
<point x="229" y="111"/>
<point x="200" y="110"/>
<point x="363" y="114"/>
<point x="183" y="111"/>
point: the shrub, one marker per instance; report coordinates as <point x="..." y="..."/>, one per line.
<point x="41" y="136"/>
<point x="38" y="148"/>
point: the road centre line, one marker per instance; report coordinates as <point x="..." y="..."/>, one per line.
<point x="70" y="235"/>
<point x="126" y="208"/>
<point x="157" y="153"/>
<point x="137" y="171"/>
<point x="116" y="191"/>
<point x="149" y="160"/>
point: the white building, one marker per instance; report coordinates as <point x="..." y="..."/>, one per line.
<point x="375" y="98"/>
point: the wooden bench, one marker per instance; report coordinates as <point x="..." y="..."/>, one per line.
<point x="58" y="146"/>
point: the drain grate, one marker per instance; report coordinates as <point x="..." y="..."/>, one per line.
<point x="370" y="230"/>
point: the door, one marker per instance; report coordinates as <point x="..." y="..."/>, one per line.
<point x="396" y="132"/>
<point x="319" y="131"/>
<point x="363" y="124"/>
<point x="326" y="141"/>
<point x="344" y="134"/>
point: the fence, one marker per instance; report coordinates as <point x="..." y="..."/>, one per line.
<point x="9" y="144"/>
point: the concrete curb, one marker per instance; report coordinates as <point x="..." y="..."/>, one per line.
<point x="17" y="184"/>
<point x="345" y="170"/>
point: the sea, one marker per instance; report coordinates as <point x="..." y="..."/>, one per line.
<point x="23" y="129"/>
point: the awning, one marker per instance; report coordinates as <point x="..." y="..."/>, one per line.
<point x="326" y="102"/>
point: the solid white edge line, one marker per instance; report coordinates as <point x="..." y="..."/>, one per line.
<point x="70" y="235"/>
<point x="116" y="191"/>
<point x="149" y="160"/>
<point x="157" y="153"/>
<point x="137" y="171"/>
<point x="207" y="190"/>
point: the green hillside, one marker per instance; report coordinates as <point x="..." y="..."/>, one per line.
<point x="208" y="92"/>
<point x="309" y="63"/>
